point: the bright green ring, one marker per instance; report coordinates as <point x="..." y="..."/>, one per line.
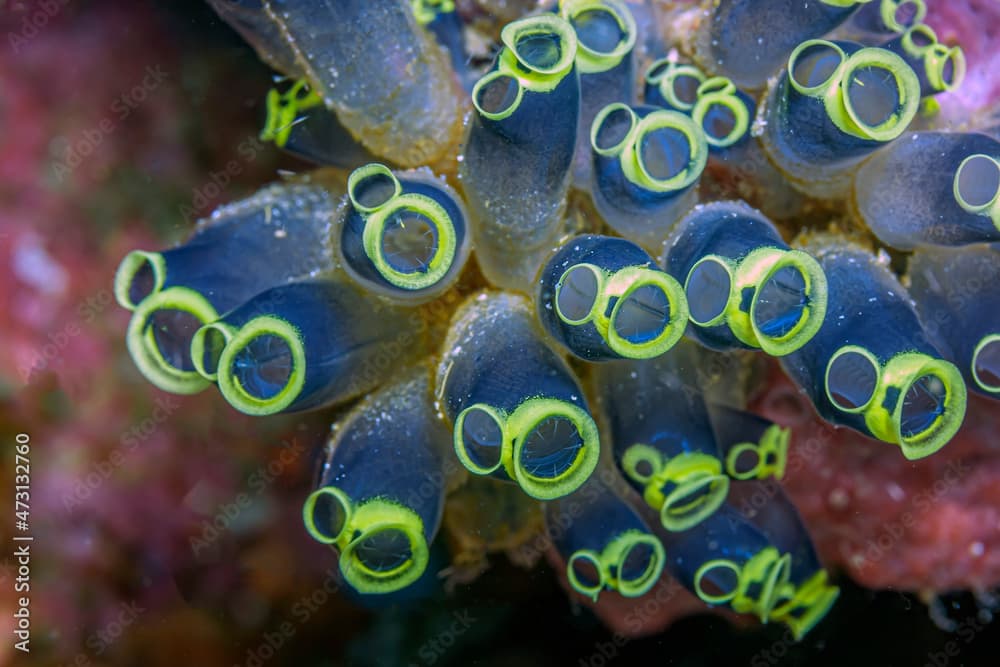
<point x="813" y="313"/>
<point x="819" y="89"/>
<point x="990" y="209"/>
<point x="142" y="346"/>
<point x="635" y="169"/>
<point x="309" y="510"/>
<point x="983" y="342"/>
<point x="198" y="347"/>
<point x="814" y="596"/>
<point x="666" y="84"/>
<point x="444" y="254"/>
<point x="750" y="274"/>
<point x="617" y="551"/>
<point x="911" y="47"/>
<point x="599" y="120"/>
<point x="657" y="70"/>
<point x="530" y="414"/>
<point x="676" y="517"/>
<point x="367" y="171"/>
<point x="841" y="111"/>
<point x="735" y="104"/>
<point x="773" y="442"/>
<point x="771" y="571"/>
<point x="499" y="115"/>
<point x="713" y="564"/>
<point x="717" y="84"/>
<point x="128" y="269"/>
<point x="636" y="277"/>
<point x="852" y="349"/>
<point x="230" y="386"/>
<point x="888" y="9"/>
<point x="580" y="587"/>
<point x="372" y="516"/>
<point x="901" y="372"/>
<point x="588" y="60"/>
<point x="463" y="455"/>
<point x="640" y="453"/>
<point x="534" y="78"/>
<point x="935" y="61"/>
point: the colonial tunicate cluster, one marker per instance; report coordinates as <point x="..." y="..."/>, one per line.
<point x="547" y="269"/>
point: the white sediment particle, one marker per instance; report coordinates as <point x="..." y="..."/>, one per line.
<point x="34" y="266"/>
<point x="895" y="491"/>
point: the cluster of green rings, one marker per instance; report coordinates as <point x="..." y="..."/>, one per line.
<point x="762" y="586"/>
<point x="609" y="566"/>
<point x="618" y="286"/>
<point x="751" y="273"/>
<point x="770" y="455"/>
<point x="702" y="93"/>
<point x="666" y="75"/>
<point x="514" y="427"/>
<point x="834" y="90"/>
<point x="235" y="341"/>
<point x="884" y="388"/>
<point x="140" y="337"/>
<point x="628" y="147"/>
<point x="377" y="215"/>
<point x="696" y="482"/>
<point x="360" y="522"/>
<point x="720" y="91"/>
<point x="921" y="42"/>
<point x="526" y="72"/>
